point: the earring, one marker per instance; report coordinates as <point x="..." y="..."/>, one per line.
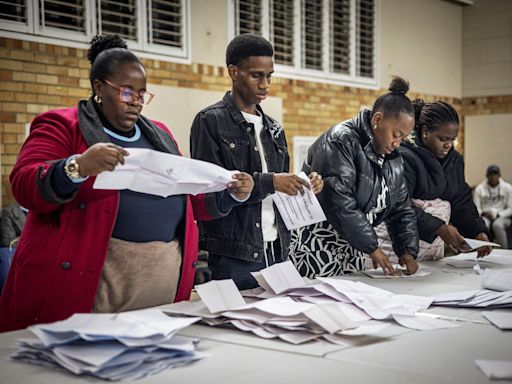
<point x="97" y="99"/>
<point x="425" y="135"/>
<point x="375" y="126"/>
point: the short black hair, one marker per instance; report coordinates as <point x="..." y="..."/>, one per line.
<point x="247" y="45"/>
<point x="432" y="116"/>
<point x="395" y="101"/>
<point x="106" y="54"/>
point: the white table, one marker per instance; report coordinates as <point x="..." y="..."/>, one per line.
<point x="440" y="356"/>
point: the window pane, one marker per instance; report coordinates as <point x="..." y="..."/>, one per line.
<point x="340" y="36"/>
<point x="13" y="11"/>
<point x="66" y="14"/>
<point x="312" y="29"/>
<point x="165" y="22"/>
<point x="281" y="30"/>
<point x="248" y="16"/>
<point x="118" y="17"/>
<point x="365" y="37"/>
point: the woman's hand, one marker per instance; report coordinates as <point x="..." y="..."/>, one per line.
<point x="451" y="237"/>
<point x="410" y="264"/>
<point x="289" y="183"/>
<point x="316" y="182"/>
<point x="381" y="260"/>
<point x="100" y="157"/>
<point x="242" y="185"/>
<point x="483" y="251"/>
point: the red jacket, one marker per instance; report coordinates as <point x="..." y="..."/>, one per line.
<point x="59" y="259"/>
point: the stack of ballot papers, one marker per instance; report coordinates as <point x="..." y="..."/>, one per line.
<point x="163" y="174"/>
<point x="124" y="346"/>
<point x="295" y="310"/>
<point x="480" y="298"/>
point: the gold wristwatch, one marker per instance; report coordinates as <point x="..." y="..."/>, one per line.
<point x="72" y="169"/>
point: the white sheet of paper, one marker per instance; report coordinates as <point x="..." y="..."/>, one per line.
<point x="460" y="263"/>
<point x="163" y="174"/>
<point x="454" y="296"/>
<point x="220" y="295"/>
<point x="299" y="210"/>
<point x="379" y="274"/>
<point x="497" y="256"/>
<point x="475" y="244"/>
<point x="330" y="317"/>
<point x="282" y="277"/>
<point x="495" y="369"/>
<point x="501" y="319"/>
<point x="496" y="280"/>
<point x="423" y="323"/>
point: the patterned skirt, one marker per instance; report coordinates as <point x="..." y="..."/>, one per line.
<point x="319" y="250"/>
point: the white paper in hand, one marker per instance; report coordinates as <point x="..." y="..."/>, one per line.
<point x="163" y="174"/>
<point x="299" y="210"/>
<point x="475" y="244"/>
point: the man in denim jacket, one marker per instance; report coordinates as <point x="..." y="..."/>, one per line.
<point x="235" y="134"/>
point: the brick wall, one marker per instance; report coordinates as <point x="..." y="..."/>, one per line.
<point x="36" y="77"/>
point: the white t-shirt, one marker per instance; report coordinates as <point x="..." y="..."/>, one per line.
<point x="497" y="200"/>
<point x="268" y="216"/>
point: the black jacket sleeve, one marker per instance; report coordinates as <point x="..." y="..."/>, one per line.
<point x="334" y="161"/>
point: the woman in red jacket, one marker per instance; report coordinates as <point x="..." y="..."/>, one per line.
<point x="84" y="249"/>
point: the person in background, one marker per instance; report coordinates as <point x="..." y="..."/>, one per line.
<point x="364" y="186"/>
<point x="235" y="133"/>
<point x="85" y="249"/>
<point x="493" y="199"/>
<point x="12" y="223"/>
<point x="434" y="172"/>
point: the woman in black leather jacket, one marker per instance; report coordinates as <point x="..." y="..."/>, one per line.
<point x="435" y="170"/>
<point x="364" y="184"/>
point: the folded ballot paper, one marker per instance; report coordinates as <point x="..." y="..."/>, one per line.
<point x="124" y="346"/>
<point x="163" y="174"/>
<point x="290" y="308"/>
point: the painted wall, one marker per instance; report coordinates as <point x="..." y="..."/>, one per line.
<point x="487" y="141"/>
<point x="487" y="48"/>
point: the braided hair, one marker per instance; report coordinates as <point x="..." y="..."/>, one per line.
<point x="433" y="115"/>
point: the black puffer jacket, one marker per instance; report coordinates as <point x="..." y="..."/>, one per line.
<point x="345" y="157"/>
<point x="429" y="178"/>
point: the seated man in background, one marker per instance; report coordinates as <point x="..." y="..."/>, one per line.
<point x="493" y="199"/>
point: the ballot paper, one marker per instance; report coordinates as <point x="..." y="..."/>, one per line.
<point x="495" y="369"/>
<point x="378" y="273"/>
<point x="299" y="210"/>
<point x="220" y="295"/>
<point x="482" y="298"/>
<point x="473" y="244"/>
<point x="163" y="174"/>
<point x="497" y="256"/>
<point x="124" y="346"/>
<point x="496" y="280"/>
<point x="501" y="319"/>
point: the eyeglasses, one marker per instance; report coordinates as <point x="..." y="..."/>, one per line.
<point x="128" y="95"/>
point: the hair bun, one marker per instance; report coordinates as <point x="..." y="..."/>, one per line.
<point x="399" y="85"/>
<point x="100" y="43"/>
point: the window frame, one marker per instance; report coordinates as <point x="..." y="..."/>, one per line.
<point x="32" y="31"/>
<point x="324" y="75"/>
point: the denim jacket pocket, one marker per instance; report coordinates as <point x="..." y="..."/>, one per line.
<point x="236" y="152"/>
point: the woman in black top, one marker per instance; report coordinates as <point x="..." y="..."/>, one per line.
<point x="364" y="185"/>
<point x="435" y="170"/>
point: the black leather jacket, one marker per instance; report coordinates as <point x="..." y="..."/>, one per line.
<point x="429" y="178"/>
<point x="221" y="135"/>
<point x="345" y="157"/>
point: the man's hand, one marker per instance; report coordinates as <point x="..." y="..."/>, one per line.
<point x="410" y="264"/>
<point x="100" y="157"/>
<point x="488" y="215"/>
<point x="289" y="183"/>
<point x="451" y="237"/>
<point x="381" y="260"/>
<point x="483" y="251"/>
<point x="316" y="181"/>
<point x="242" y="185"/>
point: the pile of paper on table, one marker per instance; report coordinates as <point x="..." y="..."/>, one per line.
<point x="496" y="292"/>
<point x="124" y="346"/>
<point x="289" y="308"/>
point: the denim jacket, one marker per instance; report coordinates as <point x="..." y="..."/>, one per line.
<point x="221" y="135"/>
